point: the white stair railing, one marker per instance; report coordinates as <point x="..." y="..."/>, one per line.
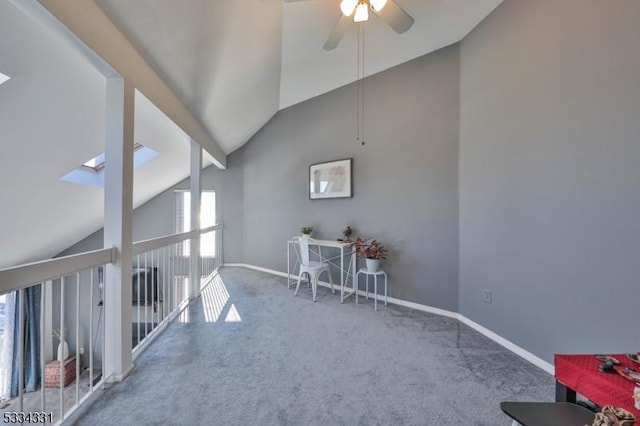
<point x="56" y="400"/>
<point x="161" y="271"/>
<point x="211" y="253"/>
<point x="71" y="289"/>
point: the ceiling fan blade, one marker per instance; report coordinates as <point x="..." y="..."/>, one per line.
<point x="337" y="33"/>
<point x="395" y="17"/>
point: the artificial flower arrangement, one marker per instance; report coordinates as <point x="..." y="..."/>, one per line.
<point x="369" y="249"/>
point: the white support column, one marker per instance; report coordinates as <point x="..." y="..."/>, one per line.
<point x="195" y="185"/>
<point x="118" y="210"/>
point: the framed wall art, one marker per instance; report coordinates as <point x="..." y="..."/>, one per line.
<point x="330" y="180"/>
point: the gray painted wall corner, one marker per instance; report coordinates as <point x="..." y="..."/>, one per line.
<point x="405" y="179"/>
<point x="550" y="100"/>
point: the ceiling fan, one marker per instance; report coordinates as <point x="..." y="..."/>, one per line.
<point x="358" y="11"/>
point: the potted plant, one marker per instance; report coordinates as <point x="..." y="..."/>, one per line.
<point x="306" y="231"/>
<point x="372" y="251"/>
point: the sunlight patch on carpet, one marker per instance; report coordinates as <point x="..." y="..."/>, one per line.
<point x="233" y="315"/>
<point x="214" y="299"/>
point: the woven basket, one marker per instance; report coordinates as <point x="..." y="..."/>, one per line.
<point x="52" y="372"/>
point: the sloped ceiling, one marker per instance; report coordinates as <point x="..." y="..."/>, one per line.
<point x="233" y="63"/>
<point x="222" y="58"/>
<point x="51" y="121"/>
<point x="236" y="63"/>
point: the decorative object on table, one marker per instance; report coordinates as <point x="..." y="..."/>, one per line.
<point x="306" y="231"/>
<point x="346" y="232"/>
<point x="606" y="367"/>
<point x="63" y="347"/>
<point x="608" y="358"/>
<point x="628" y="373"/>
<point x="634" y="358"/>
<point x="330" y="180"/>
<point x="372" y="251"/>
<point x="614" y="416"/>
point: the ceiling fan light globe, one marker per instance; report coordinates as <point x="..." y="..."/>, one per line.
<point x="377" y="5"/>
<point x="362" y="13"/>
<point x="348" y="7"/>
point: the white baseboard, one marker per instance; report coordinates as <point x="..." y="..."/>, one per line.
<point x="523" y="353"/>
<point x="121" y="377"/>
<point x="257" y="268"/>
<point x="424" y="308"/>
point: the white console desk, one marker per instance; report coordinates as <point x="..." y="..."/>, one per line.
<point x="346" y="252"/>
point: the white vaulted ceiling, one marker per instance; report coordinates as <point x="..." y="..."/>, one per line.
<point x="222" y="58"/>
<point x="232" y="63"/>
<point x="235" y="63"/>
<point x="308" y="70"/>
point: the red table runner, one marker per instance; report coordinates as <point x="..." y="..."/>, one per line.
<point x="580" y="373"/>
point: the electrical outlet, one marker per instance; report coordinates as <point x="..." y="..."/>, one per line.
<point x="486" y="295"/>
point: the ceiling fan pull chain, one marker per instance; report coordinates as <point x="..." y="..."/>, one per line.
<point x="363" y="82"/>
<point x="358" y="86"/>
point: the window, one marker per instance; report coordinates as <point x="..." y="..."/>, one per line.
<point x="97" y="163"/>
<point x="207" y="218"/>
<point x="91" y="172"/>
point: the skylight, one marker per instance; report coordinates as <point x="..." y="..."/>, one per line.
<point x="91" y="172"/>
<point x="97" y="163"/>
<point x="4" y="78"/>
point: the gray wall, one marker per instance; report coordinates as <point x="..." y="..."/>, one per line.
<point x="549" y="174"/>
<point x="405" y="179"/>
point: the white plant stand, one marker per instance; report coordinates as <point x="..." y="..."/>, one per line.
<point x="375" y="285"/>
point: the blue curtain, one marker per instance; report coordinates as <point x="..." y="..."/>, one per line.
<point x="31" y="315"/>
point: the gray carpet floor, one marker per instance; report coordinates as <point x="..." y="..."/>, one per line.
<point x="250" y="353"/>
<point x="32" y="401"/>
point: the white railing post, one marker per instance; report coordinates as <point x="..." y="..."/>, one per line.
<point x="118" y="207"/>
<point x="47" y="327"/>
<point x="194" y="271"/>
<point x="219" y="248"/>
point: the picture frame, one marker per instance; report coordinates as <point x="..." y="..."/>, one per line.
<point x="332" y="179"/>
